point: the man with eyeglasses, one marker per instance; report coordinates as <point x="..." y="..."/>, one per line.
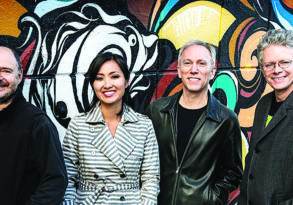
<point x="268" y="174"/>
<point x="199" y="138"/>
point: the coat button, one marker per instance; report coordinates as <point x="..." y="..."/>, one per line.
<point x="122" y="198"/>
<point x="96" y="176"/>
<point x="122" y="175"/>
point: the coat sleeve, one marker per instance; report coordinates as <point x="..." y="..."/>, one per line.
<point x="71" y="157"/>
<point x="46" y="148"/>
<point x="229" y="168"/>
<point x="150" y="169"/>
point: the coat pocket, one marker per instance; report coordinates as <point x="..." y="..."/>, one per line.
<point x="283" y="199"/>
<point x="286" y="202"/>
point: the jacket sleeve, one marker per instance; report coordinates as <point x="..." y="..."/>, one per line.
<point x="229" y="168"/>
<point x="71" y="157"/>
<point x="150" y="169"/>
<point x="46" y="148"/>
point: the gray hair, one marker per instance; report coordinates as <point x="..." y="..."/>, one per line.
<point x="279" y="37"/>
<point x="208" y="46"/>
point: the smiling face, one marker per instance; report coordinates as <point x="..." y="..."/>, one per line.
<point x="10" y="76"/>
<point x="280" y="79"/>
<point x="110" y="84"/>
<point x="195" y="69"/>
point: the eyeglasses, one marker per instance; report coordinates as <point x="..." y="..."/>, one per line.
<point x="200" y="64"/>
<point x="272" y="65"/>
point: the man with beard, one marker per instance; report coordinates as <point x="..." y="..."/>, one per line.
<point x="32" y="170"/>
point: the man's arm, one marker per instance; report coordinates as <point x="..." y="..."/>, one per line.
<point x="229" y="168"/>
<point x="49" y="161"/>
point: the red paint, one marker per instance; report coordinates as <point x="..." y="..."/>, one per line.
<point x="26" y="55"/>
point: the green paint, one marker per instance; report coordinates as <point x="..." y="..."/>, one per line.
<point x="226" y="84"/>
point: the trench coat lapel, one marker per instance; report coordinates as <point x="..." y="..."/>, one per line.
<point x="125" y="140"/>
<point x="103" y="139"/>
<point x="106" y="144"/>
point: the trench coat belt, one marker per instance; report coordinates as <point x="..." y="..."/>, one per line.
<point x="97" y="189"/>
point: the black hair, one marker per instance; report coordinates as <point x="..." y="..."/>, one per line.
<point x="94" y="68"/>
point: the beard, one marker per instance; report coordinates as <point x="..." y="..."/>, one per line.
<point x="7" y="97"/>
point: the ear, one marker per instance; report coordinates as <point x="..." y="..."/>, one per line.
<point x="213" y="73"/>
<point x="20" y="75"/>
<point x="179" y="72"/>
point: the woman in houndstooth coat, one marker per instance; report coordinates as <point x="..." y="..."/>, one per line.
<point x="111" y="152"/>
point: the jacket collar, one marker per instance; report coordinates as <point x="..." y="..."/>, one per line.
<point x="277" y="118"/>
<point x="212" y="106"/>
<point x="289" y="102"/>
<point x="104" y="141"/>
<point x="95" y="115"/>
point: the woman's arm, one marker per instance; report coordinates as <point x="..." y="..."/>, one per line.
<point x="150" y="169"/>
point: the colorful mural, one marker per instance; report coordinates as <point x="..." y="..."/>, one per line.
<point x="57" y="39"/>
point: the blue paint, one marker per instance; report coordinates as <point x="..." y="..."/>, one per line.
<point x="284" y="16"/>
<point x="46" y="6"/>
<point x="165" y="12"/>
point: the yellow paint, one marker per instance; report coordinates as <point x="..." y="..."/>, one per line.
<point x="203" y="20"/>
<point x="10" y="11"/>
<point x="246" y="116"/>
<point x="245" y="147"/>
<point x="248" y="48"/>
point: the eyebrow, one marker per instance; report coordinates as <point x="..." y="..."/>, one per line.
<point x="6" y="68"/>
<point x="114" y="72"/>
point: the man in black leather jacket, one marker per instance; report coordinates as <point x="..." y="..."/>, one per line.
<point x="199" y="138"/>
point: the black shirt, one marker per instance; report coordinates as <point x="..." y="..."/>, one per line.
<point x="186" y="121"/>
<point x="274" y="108"/>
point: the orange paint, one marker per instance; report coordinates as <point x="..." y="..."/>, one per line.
<point x="155" y="11"/>
<point x="288" y="3"/>
<point x="234" y="38"/>
<point x="10" y="11"/>
<point x="176" y="89"/>
<point x="248" y="5"/>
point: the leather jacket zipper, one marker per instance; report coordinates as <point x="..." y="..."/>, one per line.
<point x="178" y="166"/>
<point x="174" y="135"/>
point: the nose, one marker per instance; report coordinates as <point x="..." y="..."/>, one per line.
<point x="277" y="68"/>
<point x="107" y="83"/>
<point x="194" y="68"/>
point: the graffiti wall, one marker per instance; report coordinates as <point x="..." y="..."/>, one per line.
<point x="57" y="40"/>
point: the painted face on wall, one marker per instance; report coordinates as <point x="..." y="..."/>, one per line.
<point x="65" y="47"/>
<point x="110" y="84"/>
<point x="10" y="76"/>
<point x="278" y="69"/>
<point x="195" y="69"/>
